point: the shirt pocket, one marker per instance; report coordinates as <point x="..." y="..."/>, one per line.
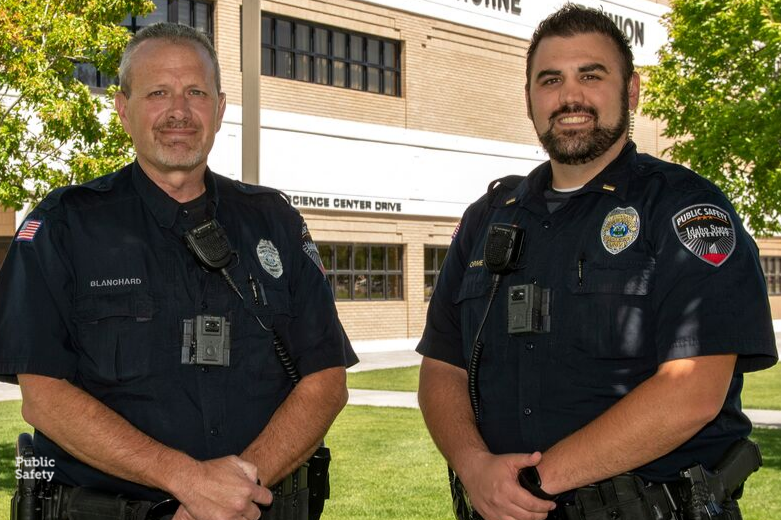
<point x="611" y="312"/>
<point x="497" y="380"/>
<point x="117" y="336"/>
<point x="253" y="351"/>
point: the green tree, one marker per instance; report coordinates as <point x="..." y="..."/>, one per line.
<point x="53" y="130"/>
<point x="718" y="88"/>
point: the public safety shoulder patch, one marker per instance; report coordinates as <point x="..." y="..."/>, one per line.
<point x="620" y="229"/>
<point x="269" y="258"/>
<point x="707" y="231"/>
<point x="310" y="248"/>
<point x="28" y="230"/>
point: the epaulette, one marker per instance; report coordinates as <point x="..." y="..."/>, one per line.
<point x="99" y="184"/>
<point x="499" y="187"/>
<point x="677" y="176"/>
<point x="255" y="189"/>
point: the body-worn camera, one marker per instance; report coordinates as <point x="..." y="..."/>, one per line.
<point x="528" y="309"/>
<point x="206" y="341"/>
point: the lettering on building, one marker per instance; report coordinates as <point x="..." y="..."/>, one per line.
<point x="343" y="203"/>
<point x="633" y="29"/>
<point x="507" y="6"/>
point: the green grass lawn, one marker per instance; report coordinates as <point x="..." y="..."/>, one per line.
<point x="403" y="379"/>
<point x="761" y="389"/>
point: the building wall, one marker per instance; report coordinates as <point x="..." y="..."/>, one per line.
<point x="7" y="231"/>
<point x="385" y="319"/>
<point x="456" y="79"/>
<point x="772" y="247"/>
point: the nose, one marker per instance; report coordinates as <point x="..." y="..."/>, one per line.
<point x="571" y="92"/>
<point x="179" y="107"/>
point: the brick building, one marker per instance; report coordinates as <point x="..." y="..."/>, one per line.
<point x="383" y="119"/>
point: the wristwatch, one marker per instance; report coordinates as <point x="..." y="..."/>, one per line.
<point x="529" y="479"/>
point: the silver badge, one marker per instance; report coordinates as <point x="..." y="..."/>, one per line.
<point x="269" y="258"/>
<point x="620" y="229"/>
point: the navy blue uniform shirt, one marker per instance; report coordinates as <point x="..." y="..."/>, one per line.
<point x="96" y="287"/>
<point x="646" y="263"/>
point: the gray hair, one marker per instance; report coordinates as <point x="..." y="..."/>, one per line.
<point x="170" y="32"/>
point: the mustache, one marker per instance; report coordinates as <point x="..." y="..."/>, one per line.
<point x="178" y="124"/>
<point x="573" y="109"/>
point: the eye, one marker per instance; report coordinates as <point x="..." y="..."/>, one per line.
<point x="196" y="92"/>
<point x="157" y="93"/>
<point x="590" y="77"/>
<point x="551" y="81"/>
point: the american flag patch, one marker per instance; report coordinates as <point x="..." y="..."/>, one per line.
<point x="455" y="231"/>
<point x="28" y="230"/>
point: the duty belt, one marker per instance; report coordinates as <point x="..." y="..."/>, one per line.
<point x="59" y="502"/>
<point x="622" y="497"/>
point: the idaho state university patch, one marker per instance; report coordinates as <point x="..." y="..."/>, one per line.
<point x="620" y="229"/>
<point x="707" y="231"/>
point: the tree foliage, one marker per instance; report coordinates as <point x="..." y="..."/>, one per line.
<point x="718" y="88"/>
<point x="53" y="130"/>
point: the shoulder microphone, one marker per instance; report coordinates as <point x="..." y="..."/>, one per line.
<point x="501" y="255"/>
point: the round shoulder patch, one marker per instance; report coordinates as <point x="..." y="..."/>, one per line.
<point x="620" y="229"/>
<point x="707" y="231"/>
<point x="269" y="258"/>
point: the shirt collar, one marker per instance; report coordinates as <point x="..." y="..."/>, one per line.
<point x="160" y="204"/>
<point x="613" y="180"/>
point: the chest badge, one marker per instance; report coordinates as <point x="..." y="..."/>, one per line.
<point x="707" y="231"/>
<point x="620" y="229"/>
<point x="269" y="258"/>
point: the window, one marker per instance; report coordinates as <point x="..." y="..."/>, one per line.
<point x="308" y="52"/>
<point x="433" y="258"/>
<point x="198" y="14"/>
<point x="364" y="271"/>
<point x="771" y="265"/>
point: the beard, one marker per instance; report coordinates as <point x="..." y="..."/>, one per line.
<point x="582" y="146"/>
<point x="178" y="155"/>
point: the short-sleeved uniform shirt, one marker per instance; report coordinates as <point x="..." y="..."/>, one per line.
<point x="646" y="263"/>
<point x="98" y="283"/>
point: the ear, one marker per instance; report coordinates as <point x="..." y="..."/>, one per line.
<point x="120" y="105"/>
<point x="634" y="91"/>
<point x="221" y="104"/>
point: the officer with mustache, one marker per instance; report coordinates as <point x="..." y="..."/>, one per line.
<point x="172" y="331"/>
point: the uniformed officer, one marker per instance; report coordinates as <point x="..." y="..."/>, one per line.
<point x="652" y="305"/>
<point x="145" y="371"/>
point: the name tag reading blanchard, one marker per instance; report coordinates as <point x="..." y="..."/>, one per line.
<point x="206" y="341"/>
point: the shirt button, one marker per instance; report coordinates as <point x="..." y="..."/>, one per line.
<point x="534" y="281"/>
<point x="529" y="346"/>
<point x="546" y="224"/>
<point x="527" y="411"/>
<point x="205" y="370"/>
<point x="204" y="305"/>
<point x="214" y="432"/>
<point x="185" y="213"/>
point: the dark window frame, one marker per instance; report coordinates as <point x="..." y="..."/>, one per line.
<point x="333" y="271"/>
<point x="436" y="268"/>
<point x="272" y="51"/>
<point x="771" y="267"/>
<point x="102" y="81"/>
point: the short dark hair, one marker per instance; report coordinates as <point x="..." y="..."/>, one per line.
<point x="572" y="20"/>
<point x="172" y="33"/>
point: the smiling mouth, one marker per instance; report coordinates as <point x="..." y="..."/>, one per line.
<point x="569" y="120"/>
